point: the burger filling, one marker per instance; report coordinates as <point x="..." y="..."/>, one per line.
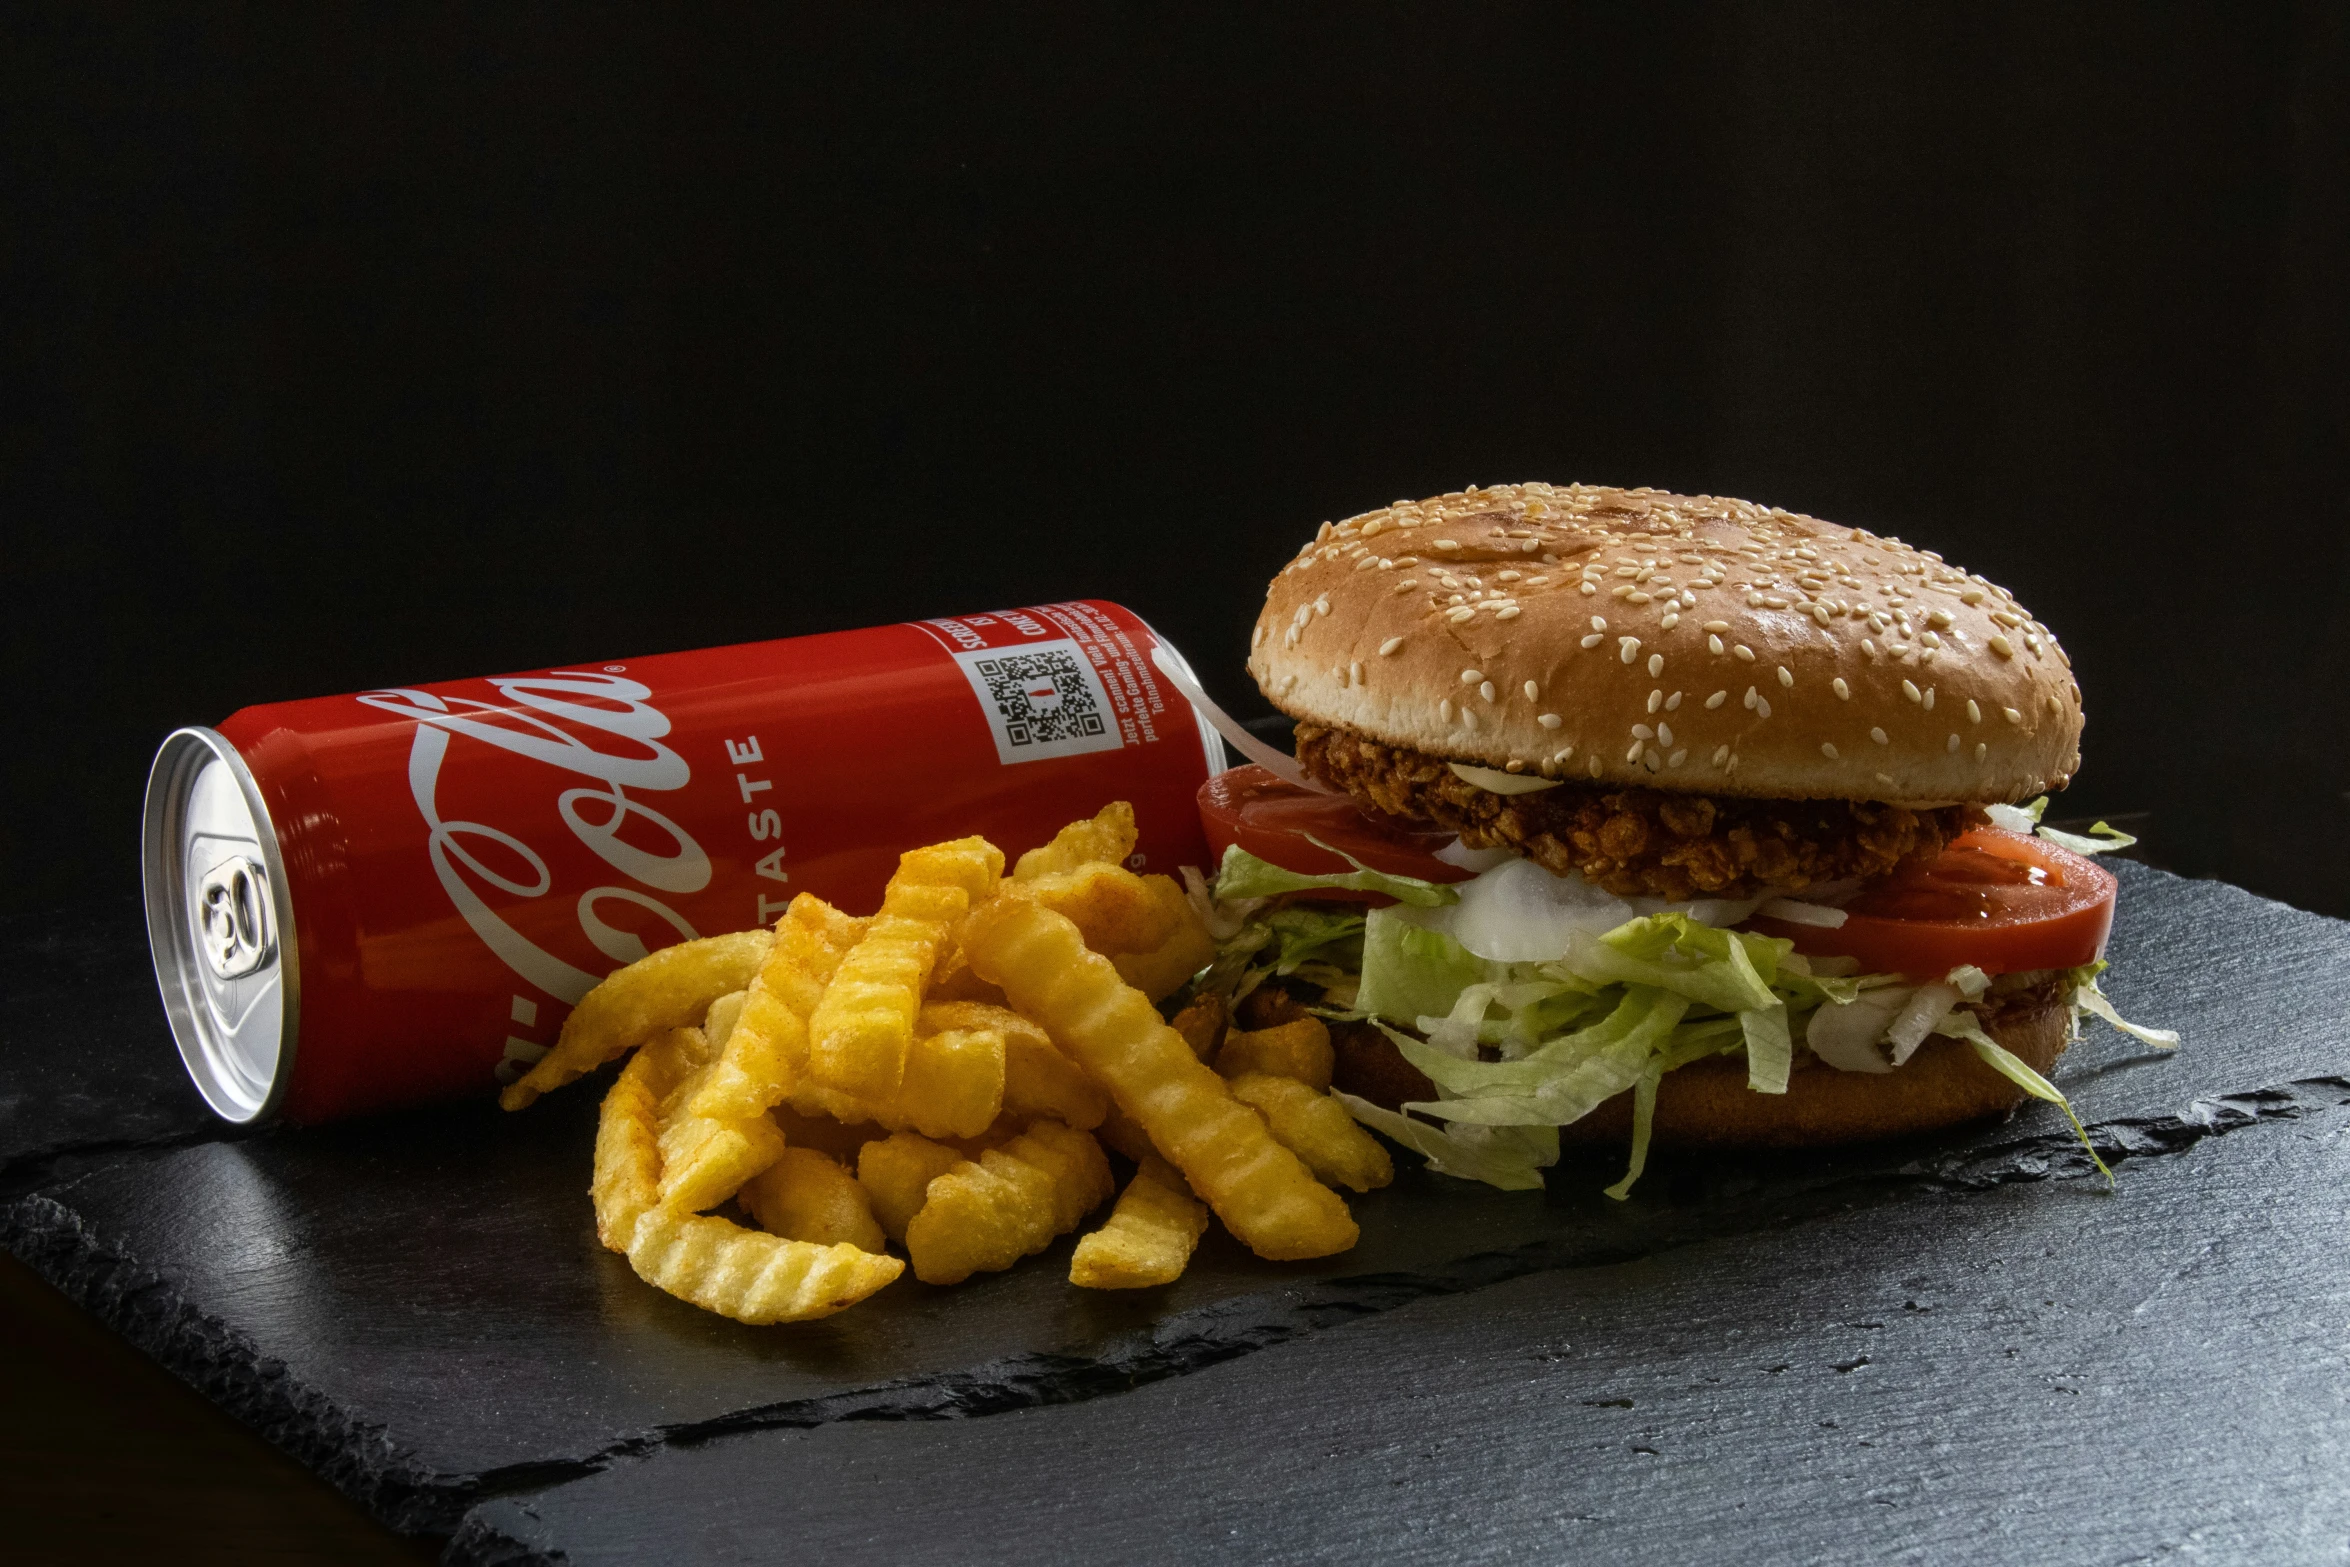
<point x="1611" y="936"/>
<point x="1642" y="842"/>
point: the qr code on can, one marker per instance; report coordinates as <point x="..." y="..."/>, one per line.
<point x="1046" y="700"/>
<point x="1042" y="697"/>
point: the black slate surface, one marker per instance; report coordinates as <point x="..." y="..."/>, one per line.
<point x="416" y="1307"/>
<point x="86" y="1058"/>
<point x="2035" y="1374"/>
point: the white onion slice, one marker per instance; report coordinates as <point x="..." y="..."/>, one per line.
<point x="1494" y="781"/>
<point x="1279" y="763"/>
<point x="1929" y="1005"/>
<point x="1478" y="860"/>
<point x="1797" y="912"/>
<point x="1846" y="1036"/>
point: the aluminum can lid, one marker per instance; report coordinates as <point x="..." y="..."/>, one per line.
<point x="220" y="924"/>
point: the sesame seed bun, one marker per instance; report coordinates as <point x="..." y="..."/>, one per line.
<point x="1634" y="637"/>
<point x="1707" y="1104"/>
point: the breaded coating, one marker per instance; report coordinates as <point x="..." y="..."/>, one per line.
<point x="1642" y="843"/>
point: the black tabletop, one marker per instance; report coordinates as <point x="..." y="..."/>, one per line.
<point x="1966" y="1346"/>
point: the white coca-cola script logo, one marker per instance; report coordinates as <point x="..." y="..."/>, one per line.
<point x="545" y="725"/>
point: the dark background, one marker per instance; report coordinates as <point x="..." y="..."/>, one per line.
<point x="349" y="346"/>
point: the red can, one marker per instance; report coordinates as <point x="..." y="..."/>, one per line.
<point x="382" y="899"/>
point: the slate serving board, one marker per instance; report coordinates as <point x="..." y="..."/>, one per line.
<point x="416" y="1307"/>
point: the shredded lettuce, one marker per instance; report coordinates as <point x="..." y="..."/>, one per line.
<point x="2026" y="819"/>
<point x="1243" y="875"/>
<point x="1517" y="1049"/>
<point x="1510" y="1157"/>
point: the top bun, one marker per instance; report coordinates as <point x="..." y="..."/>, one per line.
<point x="1672" y="642"/>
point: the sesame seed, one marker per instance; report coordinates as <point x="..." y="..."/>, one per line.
<point x="1590" y="588"/>
<point x="1511" y="576"/>
<point x="1633" y="755"/>
<point x="1593" y="640"/>
<point x="1717" y="625"/>
<point x="1656" y="699"/>
<point x="1952" y="747"/>
<point x="1721" y="755"/>
<point x="1470" y="677"/>
<point x="1929" y="702"/>
<point x="1628" y="648"/>
<point x="1762" y="707"/>
<point x="1649" y="759"/>
<point x="1843" y="691"/>
<point x="1506" y="612"/>
<point x="1515" y="764"/>
<point x="1713" y="645"/>
<point x="1486" y="690"/>
<point x="1656" y="665"/>
<point x="1827" y="750"/>
<point x="1909" y="689"/>
<point x="1670" y="621"/>
<point x="1716" y="700"/>
<point x="1456" y="616"/>
<point x="1750" y="698"/>
<point x="1444" y="710"/>
<point x="1532" y="690"/>
<point x="1598" y="623"/>
<point x="1673" y="702"/>
<point x="1664" y="734"/>
<point x="1643" y="732"/>
<point x="1744" y="652"/>
<point x="1367" y="563"/>
<point x="1999" y="645"/>
<point x="1448" y="544"/>
<point x="1981" y="750"/>
<point x="1389" y="646"/>
<point x="1595" y="767"/>
<point x="1971" y="596"/>
<point x="1886" y="779"/>
<point x="1355" y="672"/>
<point x="1287" y="681"/>
<point x="2013" y="716"/>
<point x="1468" y="718"/>
<point x="1868" y="646"/>
<point x="1322" y="605"/>
<point x="1880" y="737"/>
<point x="1974" y="714"/>
<point x="1786" y="677"/>
<point x="1550" y="720"/>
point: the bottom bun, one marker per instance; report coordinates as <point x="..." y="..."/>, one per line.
<point x="1708" y="1105"/>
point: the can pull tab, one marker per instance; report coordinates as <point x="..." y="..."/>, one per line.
<point x="233" y="919"/>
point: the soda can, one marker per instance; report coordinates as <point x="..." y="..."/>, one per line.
<point x="394" y="897"/>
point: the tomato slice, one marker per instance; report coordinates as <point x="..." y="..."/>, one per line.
<point x="1273" y="820"/>
<point x="2002" y="901"/>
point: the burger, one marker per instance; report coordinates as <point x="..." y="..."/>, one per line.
<point x="1632" y="817"/>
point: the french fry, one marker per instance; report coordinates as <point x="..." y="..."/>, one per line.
<point x="1149" y="1237"/>
<point x="896" y="1172"/>
<point x="1120" y="1132"/>
<point x="754" y="1278"/>
<point x="805" y="1196"/>
<point x="705" y="1160"/>
<point x="1105" y="838"/>
<point x="861" y="1030"/>
<point x="1114" y="908"/>
<point x="767" y="1049"/>
<point x="1258" y="1188"/>
<point x="627" y="1179"/>
<point x="953" y="1087"/>
<point x="725" y="1012"/>
<point x="1039" y="1080"/>
<point x="670" y="989"/>
<point x="984" y="1216"/>
<point x="1202" y="1021"/>
<point x="823" y="1133"/>
<point x="1300" y="1050"/>
<point x="1189" y="947"/>
<point x="1318" y="1130"/>
<point x="1081" y="1173"/>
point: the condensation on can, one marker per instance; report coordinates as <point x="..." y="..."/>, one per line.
<point x="414" y="885"/>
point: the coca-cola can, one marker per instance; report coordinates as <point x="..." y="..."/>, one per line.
<point x="393" y="897"/>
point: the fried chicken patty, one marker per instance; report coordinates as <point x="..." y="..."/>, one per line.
<point x="1648" y="843"/>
